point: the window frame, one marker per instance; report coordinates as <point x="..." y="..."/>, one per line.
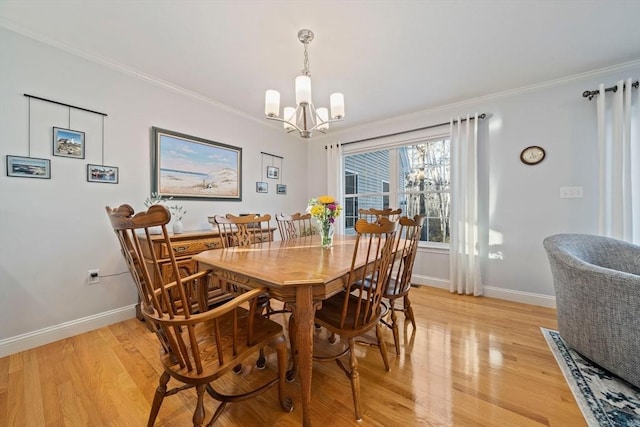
<point x="391" y="143"/>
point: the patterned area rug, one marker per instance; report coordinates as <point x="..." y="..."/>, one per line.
<point x="605" y="400"/>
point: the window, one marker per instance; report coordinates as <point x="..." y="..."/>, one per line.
<point x="385" y="192"/>
<point x="414" y="177"/>
<point x="350" y="206"/>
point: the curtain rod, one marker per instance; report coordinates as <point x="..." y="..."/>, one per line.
<point x="62" y="103"/>
<point x="480" y="116"/>
<point x="591" y="93"/>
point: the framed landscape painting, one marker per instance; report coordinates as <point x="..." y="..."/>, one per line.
<point x="68" y="143"/>
<point x="188" y="167"/>
<point x="281" y="189"/>
<point x="28" y="167"/>
<point x="101" y="173"/>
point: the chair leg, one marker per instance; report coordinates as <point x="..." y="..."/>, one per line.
<point x="408" y="311"/>
<point x="383" y="347"/>
<point x="332" y="338"/>
<point x="355" y="378"/>
<point x="394" y="328"/>
<point x="283" y="363"/>
<point x="198" y="414"/>
<point x="216" y="414"/>
<point x="262" y="360"/>
<point x="161" y="391"/>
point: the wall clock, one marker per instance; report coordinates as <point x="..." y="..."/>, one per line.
<point x="532" y="155"/>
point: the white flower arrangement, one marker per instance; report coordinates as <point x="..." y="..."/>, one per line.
<point x="177" y="211"/>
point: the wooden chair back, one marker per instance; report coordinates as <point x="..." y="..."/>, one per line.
<point x="361" y="306"/>
<point x="406" y="248"/>
<point x="296" y="225"/>
<point x="243" y="230"/>
<point x="198" y="344"/>
<point x="373" y="214"/>
<point x="168" y="306"/>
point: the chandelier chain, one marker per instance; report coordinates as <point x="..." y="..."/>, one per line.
<point x="306" y="71"/>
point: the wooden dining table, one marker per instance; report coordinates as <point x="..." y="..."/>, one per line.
<point x="298" y="272"/>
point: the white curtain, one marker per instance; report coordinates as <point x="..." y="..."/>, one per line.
<point x="335" y="186"/>
<point x="464" y="258"/>
<point x="619" y="162"/>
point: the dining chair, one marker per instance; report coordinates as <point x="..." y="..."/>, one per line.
<point x="357" y="309"/>
<point x="373" y="214"/>
<point x="198" y="346"/>
<point x="399" y="283"/>
<point x="243" y="231"/>
<point x="296" y="225"/>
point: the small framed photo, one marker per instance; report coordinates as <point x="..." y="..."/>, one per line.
<point x="28" y="167"/>
<point x="101" y="173"/>
<point x="68" y="143"/>
<point x="281" y="189"/>
<point x="262" y="187"/>
<point x="273" y="172"/>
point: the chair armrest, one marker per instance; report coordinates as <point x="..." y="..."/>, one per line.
<point x="214" y="312"/>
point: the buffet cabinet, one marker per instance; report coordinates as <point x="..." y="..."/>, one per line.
<point x="184" y="246"/>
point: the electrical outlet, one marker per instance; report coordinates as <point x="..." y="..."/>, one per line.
<point x="93" y="276"/>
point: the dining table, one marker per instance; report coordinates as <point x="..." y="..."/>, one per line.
<point x="298" y="272"/>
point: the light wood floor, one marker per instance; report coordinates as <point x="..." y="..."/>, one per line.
<point x="471" y="362"/>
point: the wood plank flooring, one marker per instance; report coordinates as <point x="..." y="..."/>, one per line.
<point x="471" y="362"/>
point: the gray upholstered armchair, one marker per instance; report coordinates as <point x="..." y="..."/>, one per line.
<point x="597" y="285"/>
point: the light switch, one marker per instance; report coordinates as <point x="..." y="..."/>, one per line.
<point x="571" y="192"/>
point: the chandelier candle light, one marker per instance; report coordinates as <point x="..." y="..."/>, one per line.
<point x="325" y="210"/>
<point x="304" y="118"/>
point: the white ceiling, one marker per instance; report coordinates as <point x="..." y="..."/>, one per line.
<point x="388" y="57"/>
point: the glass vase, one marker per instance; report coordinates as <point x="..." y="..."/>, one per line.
<point x="326" y="234"/>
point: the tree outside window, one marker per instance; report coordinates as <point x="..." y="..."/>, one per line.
<point x="420" y="184"/>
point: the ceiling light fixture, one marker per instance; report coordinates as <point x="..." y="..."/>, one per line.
<point x="304" y="118"/>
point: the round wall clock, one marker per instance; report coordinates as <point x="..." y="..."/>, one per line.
<point x="532" y="155"/>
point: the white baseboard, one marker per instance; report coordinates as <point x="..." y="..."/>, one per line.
<point x="493" y="292"/>
<point x="436" y="282"/>
<point x="520" y="296"/>
<point x="64" y="330"/>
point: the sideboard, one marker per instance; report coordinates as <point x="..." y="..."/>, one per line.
<point x="184" y="246"/>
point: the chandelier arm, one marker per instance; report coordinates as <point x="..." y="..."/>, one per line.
<point x="278" y="119"/>
<point x="323" y="123"/>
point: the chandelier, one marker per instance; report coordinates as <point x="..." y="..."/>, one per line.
<point x="304" y="118"/>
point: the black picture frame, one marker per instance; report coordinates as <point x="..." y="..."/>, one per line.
<point x="281" y="189"/>
<point x="262" y="187"/>
<point x="68" y="143"/>
<point x="28" y="167"/>
<point x="188" y="167"/>
<point x="103" y="174"/>
<point x="273" y="172"/>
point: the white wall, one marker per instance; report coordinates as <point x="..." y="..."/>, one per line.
<point x="522" y="202"/>
<point x="53" y="231"/>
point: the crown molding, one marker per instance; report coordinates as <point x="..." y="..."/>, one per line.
<point x="114" y="65"/>
<point x="17" y="28"/>
<point x="631" y="65"/>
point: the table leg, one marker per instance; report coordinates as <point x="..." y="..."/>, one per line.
<point x="304" y="313"/>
